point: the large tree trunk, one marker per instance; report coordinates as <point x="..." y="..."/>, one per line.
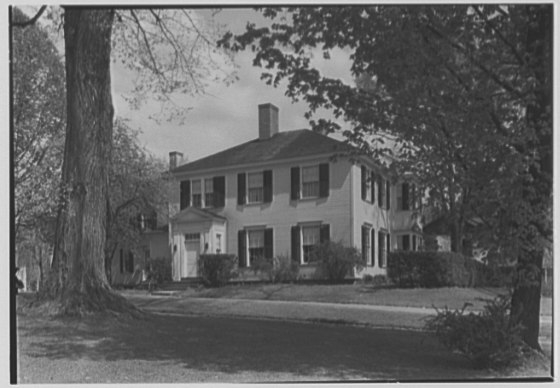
<point x="77" y="278"/>
<point x="537" y="185"/>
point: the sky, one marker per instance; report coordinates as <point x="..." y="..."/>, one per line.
<point x="226" y="115"/>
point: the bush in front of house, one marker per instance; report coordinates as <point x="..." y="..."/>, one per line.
<point x="158" y="270"/>
<point x="279" y="269"/>
<point x="335" y="261"/>
<point x="434" y="269"/>
<point x="216" y="269"/>
<point x="488" y="338"/>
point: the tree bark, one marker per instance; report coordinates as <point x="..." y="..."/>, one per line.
<point x="77" y="277"/>
<point x="537" y="185"/>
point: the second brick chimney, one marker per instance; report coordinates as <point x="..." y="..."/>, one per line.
<point x="268" y="121"/>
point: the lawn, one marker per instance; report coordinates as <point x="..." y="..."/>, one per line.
<point x="183" y="349"/>
<point x="352" y="293"/>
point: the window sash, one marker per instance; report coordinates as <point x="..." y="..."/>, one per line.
<point x="367" y="245"/>
<point x="310" y="181"/>
<point x="310" y="236"/>
<point x="255" y="187"/>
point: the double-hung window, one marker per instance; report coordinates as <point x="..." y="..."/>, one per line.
<point x="366" y="244"/>
<point x="403" y="242"/>
<point x="383" y="243"/>
<point x="310" y="182"/>
<point x="196" y="190"/>
<point x="368" y="185"/>
<point x="256" y="245"/>
<point x="255" y="186"/>
<point x="208" y="192"/>
<point x="310" y="236"/>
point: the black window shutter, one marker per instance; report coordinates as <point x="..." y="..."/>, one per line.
<point x="267" y="183"/>
<point x="364" y="183"/>
<point x="379" y="191"/>
<point x="372" y="247"/>
<point x="388" y="187"/>
<point x="372" y="180"/>
<point x="405" y="203"/>
<point x="219" y="191"/>
<point x="268" y="244"/>
<point x="323" y="180"/>
<point x="365" y="232"/>
<point x="388" y="244"/>
<point x="185" y="194"/>
<point x="241" y="248"/>
<point x="413" y="242"/>
<point x="295" y="183"/>
<point x="406" y="242"/>
<point x="380" y="243"/>
<point x="296" y="248"/>
<point x="325" y="233"/>
<point x="121" y="261"/>
<point x="241" y="189"/>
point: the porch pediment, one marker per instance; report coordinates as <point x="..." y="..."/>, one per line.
<point x="192" y="214"/>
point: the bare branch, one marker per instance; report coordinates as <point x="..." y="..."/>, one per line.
<point x="500" y="35"/>
<point x="32" y="20"/>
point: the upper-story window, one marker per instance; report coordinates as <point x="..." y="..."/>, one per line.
<point x="368" y="184"/>
<point x="254" y="187"/>
<point x="384" y="193"/>
<point x="203" y="193"/>
<point x="407" y="198"/>
<point x="196" y="195"/>
<point x="310" y="181"/>
<point x="208" y="192"/>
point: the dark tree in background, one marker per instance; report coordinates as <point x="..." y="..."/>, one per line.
<point x="465" y="94"/>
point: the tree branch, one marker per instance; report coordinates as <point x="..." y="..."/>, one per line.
<point x="32" y="20"/>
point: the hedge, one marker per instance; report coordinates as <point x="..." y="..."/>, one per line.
<point x="434" y="269"/>
<point x="216" y="269"/>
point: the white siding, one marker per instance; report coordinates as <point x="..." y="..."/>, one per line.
<point x="283" y="213"/>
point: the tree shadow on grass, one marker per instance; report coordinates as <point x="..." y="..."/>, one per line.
<point x="237" y="345"/>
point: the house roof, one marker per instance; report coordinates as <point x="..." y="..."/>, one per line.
<point x="283" y="145"/>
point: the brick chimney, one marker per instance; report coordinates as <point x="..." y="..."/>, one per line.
<point x="175" y="159"/>
<point x="268" y="121"/>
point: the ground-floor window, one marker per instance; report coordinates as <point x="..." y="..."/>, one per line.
<point x="408" y="242"/>
<point x="310" y="236"/>
<point x="256" y="245"/>
<point x="367" y="244"/>
<point x="384" y="244"/>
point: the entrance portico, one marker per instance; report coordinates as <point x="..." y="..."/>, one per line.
<point x="193" y="232"/>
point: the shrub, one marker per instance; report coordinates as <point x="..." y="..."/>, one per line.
<point x="216" y="269"/>
<point x="159" y="270"/>
<point x="277" y="270"/>
<point x="380" y="280"/>
<point x="434" y="269"/>
<point x="487" y="339"/>
<point x="335" y="261"/>
<point x="367" y="278"/>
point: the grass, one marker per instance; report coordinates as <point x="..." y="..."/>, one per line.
<point x="180" y="349"/>
<point x="352" y="293"/>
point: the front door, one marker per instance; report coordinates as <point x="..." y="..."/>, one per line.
<point x="192" y="248"/>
